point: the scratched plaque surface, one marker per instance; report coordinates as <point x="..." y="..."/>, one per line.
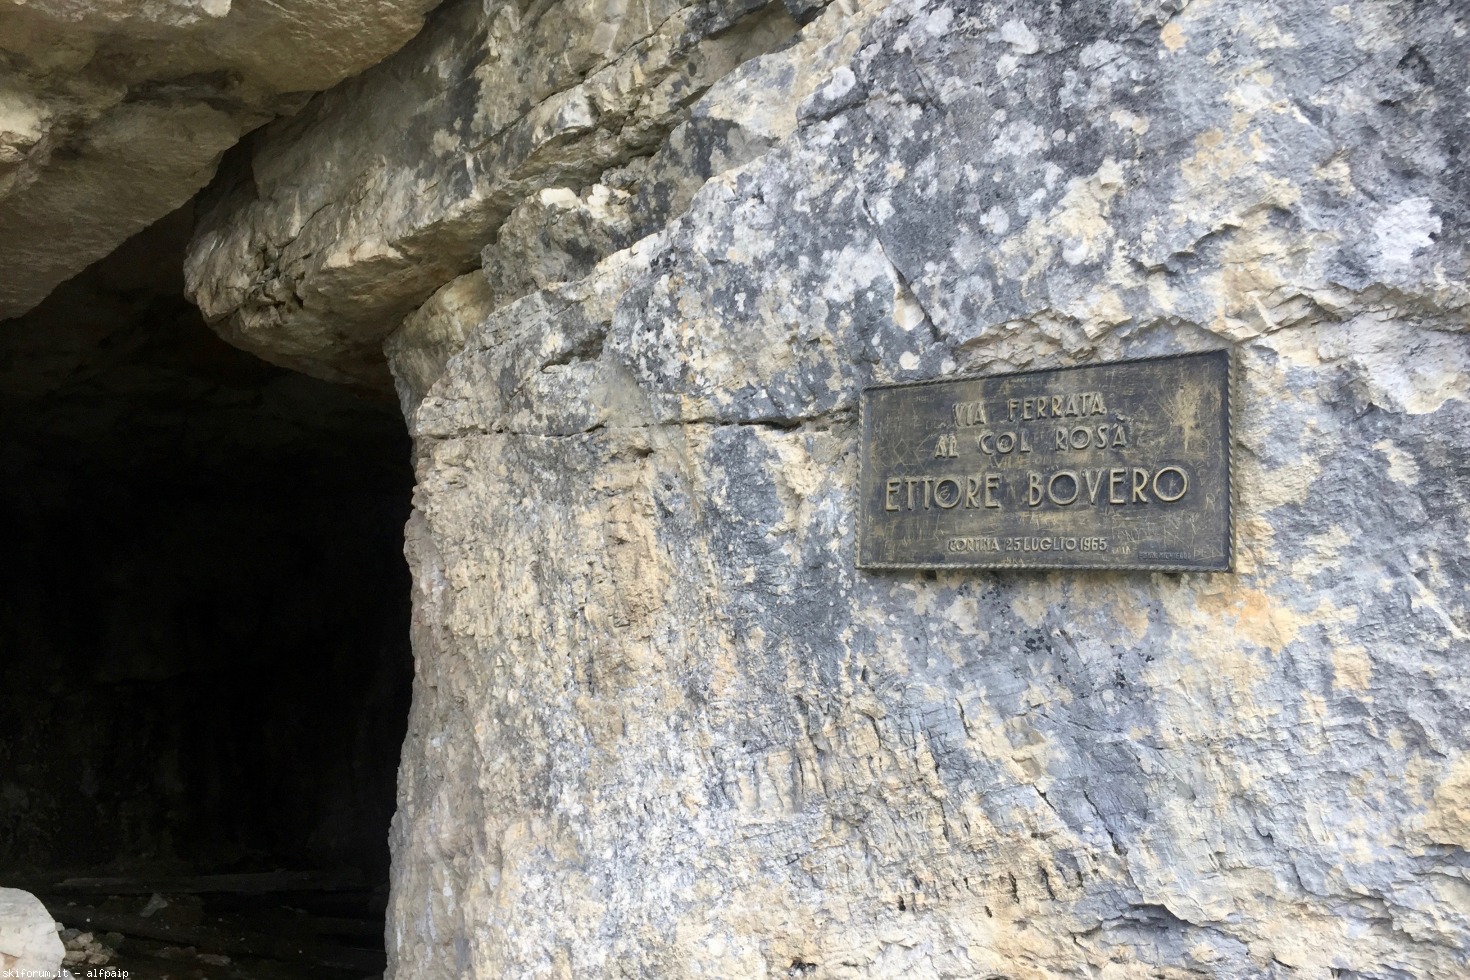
<point x="1123" y="466"/>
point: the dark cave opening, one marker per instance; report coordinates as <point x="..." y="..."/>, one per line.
<point x="204" y="662"/>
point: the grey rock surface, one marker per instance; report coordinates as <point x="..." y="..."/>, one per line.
<point x="557" y="235"/>
<point x="113" y="113"/>
<point x="346" y="218"/>
<point x="662" y="727"/>
<point x="28" y="939"/>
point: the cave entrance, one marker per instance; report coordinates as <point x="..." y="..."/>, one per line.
<point x="204" y="662"/>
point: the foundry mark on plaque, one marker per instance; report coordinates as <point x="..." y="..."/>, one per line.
<point x="1123" y="465"/>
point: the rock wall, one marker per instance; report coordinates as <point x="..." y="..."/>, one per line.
<point x="662" y="726"/>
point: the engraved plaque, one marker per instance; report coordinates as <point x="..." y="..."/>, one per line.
<point x="1123" y="465"/>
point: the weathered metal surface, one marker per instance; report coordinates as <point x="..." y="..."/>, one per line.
<point x="1122" y="466"/>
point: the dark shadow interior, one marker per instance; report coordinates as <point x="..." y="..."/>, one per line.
<point x="204" y="664"/>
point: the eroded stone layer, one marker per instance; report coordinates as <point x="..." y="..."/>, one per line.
<point x="662" y="727"/>
<point x="344" y="219"/>
<point x="115" y="112"/>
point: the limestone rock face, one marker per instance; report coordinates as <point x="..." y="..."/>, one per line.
<point x="347" y="217"/>
<point x="662" y="727"/>
<point x="115" y="112"/>
<point x="28" y="939"/>
<point x="557" y="235"/>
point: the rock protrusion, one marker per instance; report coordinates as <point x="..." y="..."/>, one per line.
<point x="28" y="937"/>
<point x="115" y="112"/>
<point x="388" y="187"/>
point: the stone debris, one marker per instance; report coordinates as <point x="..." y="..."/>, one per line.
<point x="88" y="949"/>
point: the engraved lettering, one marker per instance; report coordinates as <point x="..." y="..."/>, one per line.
<point x="1094" y="483"/>
<point x="972" y="490"/>
<point x="1095" y="466"/>
<point x="968" y="414"/>
<point x="1140" y="484"/>
<point x="1183" y="484"/>
<point x="1064" y="499"/>
<point x="954" y="498"/>
<point x="992" y="484"/>
<point x="1079" y="437"/>
<point x="962" y="545"/>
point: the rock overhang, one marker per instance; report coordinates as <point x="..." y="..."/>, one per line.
<point x="112" y="115"/>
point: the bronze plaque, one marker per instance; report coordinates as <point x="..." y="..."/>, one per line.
<point x="1123" y="465"/>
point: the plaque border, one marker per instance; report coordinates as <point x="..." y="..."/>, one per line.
<point x="1231" y="403"/>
